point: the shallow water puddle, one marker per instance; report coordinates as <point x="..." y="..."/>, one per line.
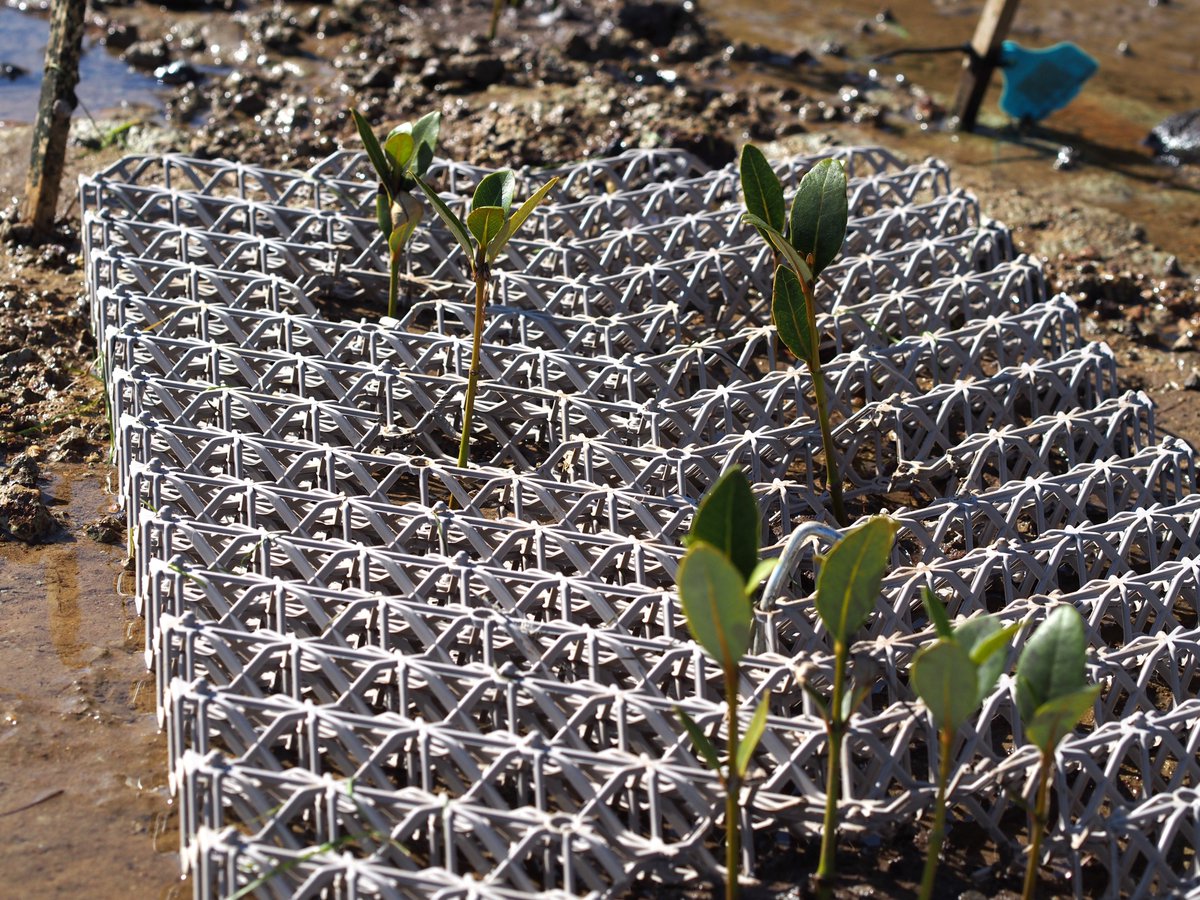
<point x="106" y="84"/>
<point x="82" y="781"/>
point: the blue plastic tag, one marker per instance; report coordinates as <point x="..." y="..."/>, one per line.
<point x="1037" y="82"/>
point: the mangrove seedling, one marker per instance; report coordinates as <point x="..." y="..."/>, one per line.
<point x="399" y="161"/>
<point x="847" y="591"/>
<point x="490" y="225"/>
<point x="953" y="676"/>
<point x="1052" y="696"/>
<point x="717" y="578"/>
<point x="807" y="240"/>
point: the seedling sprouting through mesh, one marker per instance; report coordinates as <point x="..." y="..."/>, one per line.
<point x="490" y="225"/>
<point x="808" y="240"/>
<point x="403" y="157"/>
<point x="953" y="677"/>
<point x="847" y="593"/>
<point x="717" y="578"/>
<point x="1052" y="696"/>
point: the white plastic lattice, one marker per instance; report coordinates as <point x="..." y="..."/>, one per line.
<point x="384" y="675"/>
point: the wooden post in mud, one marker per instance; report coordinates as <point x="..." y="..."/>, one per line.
<point x="55" y="106"/>
<point x="978" y="67"/>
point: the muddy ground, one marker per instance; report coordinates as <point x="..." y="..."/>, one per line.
<point x="84" y="807"/>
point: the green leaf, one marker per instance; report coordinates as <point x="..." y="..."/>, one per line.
<point x="848" y="586"/>
<point x="1056" y="718"/>
<point x="754" y="733"/>
<point x="700" y="741"/>
<point x="399" y="148"/>
<point x="789" y="312"/>
<point x="728" y="520"/>
<point x="495" y="190"/>
<point x="944" y="677"/>
<point x="820" y="211"/>
<point x="715" y="605"/>
<point x="379" y="160"/>
<point x="776" y="239"/>
<point x="937" y="613"/>
<point x="485" y="223"/>
<point x="762" y="571"/>
<point x="1053" y="662"/>
<point x="761" y="188"/>
<point x="517" y="219"/>
<point x="425" y="134"/>
<point x="987" y="645"/>
<point x="407" y="213"/>
<point x="383" y="214"/>
<point x="453" y="222"/>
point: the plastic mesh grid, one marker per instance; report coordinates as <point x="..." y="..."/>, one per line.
<point x="384" y="675"/>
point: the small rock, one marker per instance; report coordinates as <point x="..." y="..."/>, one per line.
<point x="1172" y="268"/>
<point x="24" y="516"/>
<point x="147" y="54"/>
<point x="1183" y="344"/>
<point x="1067" y="159"/>
<point x="23" y="471"/>
<point x="1176" y="140"/>
<point x="73" y="444"/>
<point x="14" y="359"/>
<point x="1193" y="381"/>
<point x="178" y="72"/>
<point x="120" y="36"/>
<point x="108" y="529"/>
<point x="1123" y="49"/>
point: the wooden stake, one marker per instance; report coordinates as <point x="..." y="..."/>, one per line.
<point x="55" y="106"/>
<point x="990" y="33"/>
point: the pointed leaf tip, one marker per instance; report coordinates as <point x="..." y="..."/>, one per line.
<point x="728" y="520"/>
<point x="820" y="212"/>
<point x="848" y="586"/>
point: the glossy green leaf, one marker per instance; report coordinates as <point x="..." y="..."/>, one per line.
<point x="495" y="190"/>
<point x="399" y="148"/>
<point x="715" y="605"/>
<point x="1053" y="662"/>
<point x="728" y="520"/>
<point x="937" y="613"/>
<point x="485" y="223"/>
<point x="944" y="677"/>
<point x="700" y="741"/>
<point x="987" y="645"/>
<point x="425" y="134"/>
<point x="754" y="733"/>
<point x="761" y="572"/>
<point x="789" y="312"/>
<point x="776" y="239"/>
<point x="453" y="222"/>
<point x="1056" y="718"/>
<point x="820" y="211"/>
<point x="517" y="219"/>
<point x="379" y="160"/>
<point x="761" y="189"/>
<point x="848" y="586"/>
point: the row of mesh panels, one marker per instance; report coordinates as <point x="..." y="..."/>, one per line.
<point x="382" y="674"/>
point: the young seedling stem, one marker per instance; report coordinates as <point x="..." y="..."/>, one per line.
<point x="489" y="226"/>
<point x="1038" y="826"/>
<point x="733" y="788"/>
<point x="803" y="244"/>
<point x="835" y="727"/>
<point x="937" y="830"/>
<point x="482" y="274"/>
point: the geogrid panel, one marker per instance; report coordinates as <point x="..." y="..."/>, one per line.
<point x="384" y="675"/>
